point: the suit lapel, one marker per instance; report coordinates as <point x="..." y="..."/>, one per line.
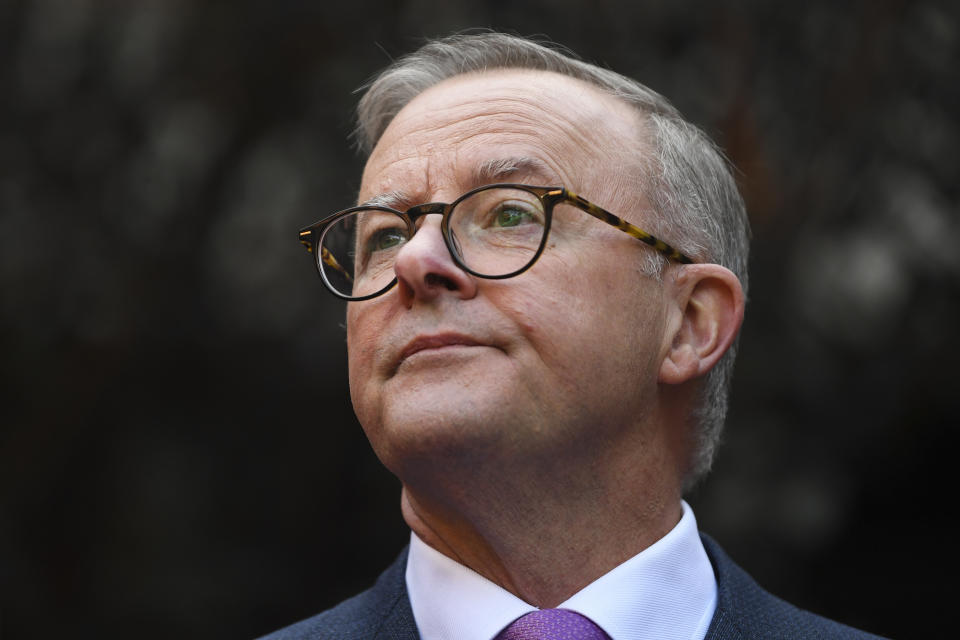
<point x="732" y="584"/>
<point x="722" y="628"/>
<point x="397" y="623"/>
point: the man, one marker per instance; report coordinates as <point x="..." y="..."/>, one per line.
<point x="546" y="279"/>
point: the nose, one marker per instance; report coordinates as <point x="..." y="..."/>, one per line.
<point x="425" y="269"/>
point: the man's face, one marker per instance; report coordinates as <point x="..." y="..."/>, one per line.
<point x="554" y="364"/>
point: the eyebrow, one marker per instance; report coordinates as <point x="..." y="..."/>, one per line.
<point x="487" y="172"/>
<point x="392" y="199"/>
<point x="499" y="169"/>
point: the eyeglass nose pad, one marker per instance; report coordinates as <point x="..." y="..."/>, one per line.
<point x="419" y="212"/>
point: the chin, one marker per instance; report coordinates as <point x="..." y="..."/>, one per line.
<point x="420" y="433"/>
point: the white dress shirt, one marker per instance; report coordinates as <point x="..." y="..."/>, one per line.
<point x="667" y="592"/>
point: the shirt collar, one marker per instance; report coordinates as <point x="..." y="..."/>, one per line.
<point x="667" y="591"/>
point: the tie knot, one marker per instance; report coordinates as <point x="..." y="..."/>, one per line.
<point x="553" y="624"/>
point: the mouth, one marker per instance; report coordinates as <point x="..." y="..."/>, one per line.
<point x="436" y="342"/>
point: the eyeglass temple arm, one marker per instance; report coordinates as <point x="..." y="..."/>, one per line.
<point x="306" y="239"/>
<point x="626" y="227"/>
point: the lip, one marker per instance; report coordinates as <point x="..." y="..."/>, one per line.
<point x="437" y="341"/>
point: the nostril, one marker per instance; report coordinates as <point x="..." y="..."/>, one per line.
<point x="436" y="280"/>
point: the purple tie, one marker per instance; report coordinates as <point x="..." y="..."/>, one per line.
<point x="552" y="624"/>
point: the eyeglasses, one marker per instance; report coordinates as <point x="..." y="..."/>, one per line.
<point x="495" y="231"/>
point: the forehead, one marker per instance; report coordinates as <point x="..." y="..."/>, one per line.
<point x="573" y="133"/>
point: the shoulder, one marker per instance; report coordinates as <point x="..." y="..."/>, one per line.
<point x="381" y="611"/>
<point x="745" y="610"/>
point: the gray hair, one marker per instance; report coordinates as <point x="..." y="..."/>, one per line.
<point x="688" y="181"/>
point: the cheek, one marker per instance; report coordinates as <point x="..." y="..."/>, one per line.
<point x="360" y="364"/>
<point x="593" y="322"/>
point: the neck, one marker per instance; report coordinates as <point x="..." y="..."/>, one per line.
<point x="545" y="532"/>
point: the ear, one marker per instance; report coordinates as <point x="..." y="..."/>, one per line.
<point x="703" y="321"/>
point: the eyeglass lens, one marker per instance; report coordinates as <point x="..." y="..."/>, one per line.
<point x="494" y="232"/>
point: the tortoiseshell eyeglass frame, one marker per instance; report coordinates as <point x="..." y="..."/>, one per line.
<point x="549" y="197"/>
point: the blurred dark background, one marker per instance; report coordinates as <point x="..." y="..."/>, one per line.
<point x="178" y="455"/>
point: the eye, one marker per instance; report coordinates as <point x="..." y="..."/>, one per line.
<point x="512" y="215"/>
<point x="384" y="239"/>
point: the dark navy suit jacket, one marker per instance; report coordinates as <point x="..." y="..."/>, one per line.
<point x="744" y="611"/>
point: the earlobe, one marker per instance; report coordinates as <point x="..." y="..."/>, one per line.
<point x="707" y="316"/>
